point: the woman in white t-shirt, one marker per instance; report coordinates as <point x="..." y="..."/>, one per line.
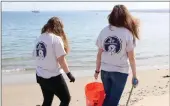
<point x="50" y="51"/>
<point x="116" y="44"/>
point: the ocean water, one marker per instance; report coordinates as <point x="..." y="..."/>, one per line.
<point x="20" y="29"/>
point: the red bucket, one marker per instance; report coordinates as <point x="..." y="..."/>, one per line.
<point x="94" y="94"/>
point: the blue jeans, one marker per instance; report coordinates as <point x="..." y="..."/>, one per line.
<point x="114" y="83"/>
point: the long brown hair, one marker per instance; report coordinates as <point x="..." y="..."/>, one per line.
<point x="121" y="17"/>
<point x="55" y="26"/>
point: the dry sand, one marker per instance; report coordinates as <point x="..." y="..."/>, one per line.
<point x="153" y="90"/>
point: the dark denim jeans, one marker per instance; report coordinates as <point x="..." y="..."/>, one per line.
<point x="114" y="83"/>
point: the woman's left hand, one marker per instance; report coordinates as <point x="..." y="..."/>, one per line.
<point x="96" y="75"/>
<point x="135" y="81"/>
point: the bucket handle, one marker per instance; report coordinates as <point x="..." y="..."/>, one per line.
<point x="95" y="80"/>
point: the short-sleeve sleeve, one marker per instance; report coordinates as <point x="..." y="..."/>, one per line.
<point x="131" y="43"/>
<point x="59" y="47"/>
<point x="99" y="41"/>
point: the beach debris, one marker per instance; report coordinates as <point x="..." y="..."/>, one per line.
<point x="160" y="88"/>
<point x="166" y="76"/>
<point x="166" y="86"/>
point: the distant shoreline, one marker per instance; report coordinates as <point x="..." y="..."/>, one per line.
<point x="146" y="11"/>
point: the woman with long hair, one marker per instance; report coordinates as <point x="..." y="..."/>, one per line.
<point x="116" y="43"/>
<point x="50" y="51"/>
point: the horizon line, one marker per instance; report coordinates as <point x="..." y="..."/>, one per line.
<point x="168" y="10"/>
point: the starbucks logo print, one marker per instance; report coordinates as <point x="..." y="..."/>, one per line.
<point x="112" y="44"/>
<point x="41" y="51"/>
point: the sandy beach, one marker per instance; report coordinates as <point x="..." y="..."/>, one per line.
<point x="153" y="90"/>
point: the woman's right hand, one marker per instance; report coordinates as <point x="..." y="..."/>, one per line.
<point x="96" y="74"/>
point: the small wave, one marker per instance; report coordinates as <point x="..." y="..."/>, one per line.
<point x="17" y="70"/>
<point x="148" y="57"/>
<point x="16" y="58"/>
<point x="13" y="70"/>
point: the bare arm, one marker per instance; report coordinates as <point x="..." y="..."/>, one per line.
<point x="131" y="56"/>
<point x="98" y="61"/>
<point x="63" y="63"/>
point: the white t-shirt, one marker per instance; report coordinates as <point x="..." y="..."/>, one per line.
<point x="116" y="42"/>
<point x="47" y="49"/>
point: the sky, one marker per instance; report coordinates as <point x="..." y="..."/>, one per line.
<point x="59" y="6"/>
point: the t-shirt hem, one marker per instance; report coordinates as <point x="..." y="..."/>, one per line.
<point x="48" y="76"/>
<point x="115" y="71"/>
<point x="125" y="70"/>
